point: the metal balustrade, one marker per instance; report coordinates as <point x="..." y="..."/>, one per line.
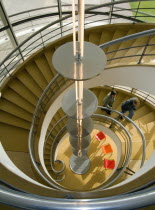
<point x="43" y="36"/>
<point x="19" y="199"/>
<point x="34" y="126"/>
<point x="105" y="121"/>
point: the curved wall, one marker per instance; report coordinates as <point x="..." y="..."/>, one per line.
<point x="139" y="77"/>
<point x="131" y="76"/>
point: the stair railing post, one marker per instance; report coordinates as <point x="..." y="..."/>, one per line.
<point x="145" y="48"/>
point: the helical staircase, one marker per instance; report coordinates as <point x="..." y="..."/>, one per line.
<point x="30" y="109"/>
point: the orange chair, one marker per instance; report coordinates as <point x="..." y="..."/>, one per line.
<point x="109" y="164"/>
<point x="106" y="149"/>
<point x="100" y="136"/>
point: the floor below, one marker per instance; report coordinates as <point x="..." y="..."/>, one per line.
<point x="96" y="174"/>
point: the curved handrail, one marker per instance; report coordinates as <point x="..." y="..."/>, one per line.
<point x="51" y="159"/>
<point x="137" y="92"/>
<point x="139" y="130"/>
<point x="30" y="37"/>
<point x="128" y="37"/>
<point x="51" y="152"/>
<point x="31" y="133"/>
<point x="51" y="24"/>
<point x="36" y="9"/>
<point x="125" y="38"/>
<point x="135" y="200"/>
<point x="129" y="152"/>
<point x="42" y="29"/>
<point x="98" y="116"/>
<point x="33" y="122"/>
<point x="10" y="186"/>
<point x="92" y="7"/>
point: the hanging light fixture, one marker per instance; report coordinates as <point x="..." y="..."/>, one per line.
<point x="79" y="61"/>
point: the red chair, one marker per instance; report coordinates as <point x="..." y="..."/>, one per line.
<point x="100" y="136"/>
<point x="109" y="164"/>
<point x="106" y="149"/>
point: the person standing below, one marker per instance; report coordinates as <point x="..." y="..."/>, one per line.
<point x="130" y="105"/>
<point x="108" y="101"/>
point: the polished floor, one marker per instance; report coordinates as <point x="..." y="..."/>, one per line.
<point x="97" y="174"/>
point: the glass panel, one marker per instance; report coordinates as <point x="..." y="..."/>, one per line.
<point x="23" y="31"/>
<point x="92" y="20"/>
<point x="26" y="5"/>
<point x="66" y="7"/>
<point x="32" y="45"/>
<point x="5" y="49"/>
<point x="51" y="33"/>
<point x="1" y="24"/>
<point x="3" y="37"/>
<point x="67" y="26"/>
<point x="16" y="18"/>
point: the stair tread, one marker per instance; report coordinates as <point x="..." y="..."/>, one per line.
<point x="28" y="81"/>
<point x="12" y="96"/>
<point x="11" y="108"/>
<point x="36" y="75"/>
<point x="10" y="119"/>
<point x="19" y="88"/>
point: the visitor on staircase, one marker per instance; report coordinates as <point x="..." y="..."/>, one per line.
<point x="130" y="105"/>
<point x="108" y="101"/>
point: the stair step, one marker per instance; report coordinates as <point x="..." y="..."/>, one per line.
<point x="123" y="45"/>
<point x="14" y="140"/>
<point x="149" y="132"/>
<point x="43" y="66"/>
<point x="150" y="117"/>
<point x="48" y="55"/>
<point x="94" y="37"/>
<point x="36" y="75"/>
<point x="13" y="120"/>
<point x="141" y="112"/>
<point x="15" y="110"/>
<point x="12" y="96"/>
<point x="134" y="51"/>
<point x="28" y="81"/>
<point x="21" y="90"/>
<point x="137" y="149"/>
<point x="118" y="33"/>
<point x="106" y="36"/>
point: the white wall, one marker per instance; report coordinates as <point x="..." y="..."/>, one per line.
<point x="139" y="77"/>
<point x="7" y="163"/>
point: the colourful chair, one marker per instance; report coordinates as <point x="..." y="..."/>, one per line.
<point x="109" y="164"/>
<point x="100" y="136"/>
<point x="106" y="149"/>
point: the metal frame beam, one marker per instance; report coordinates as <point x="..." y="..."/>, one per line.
<point x="9" y="30"/>
<point x="6" y="22"/>
<point x="60" y="14"/>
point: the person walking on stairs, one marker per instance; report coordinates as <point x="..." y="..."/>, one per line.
<point x="108" y="101"/>
<point x="130" y="105"/>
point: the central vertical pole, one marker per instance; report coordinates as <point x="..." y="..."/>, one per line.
<point x="79" y="84"/>
<point x="78" y="53"/>
<point x="74" y="61"/>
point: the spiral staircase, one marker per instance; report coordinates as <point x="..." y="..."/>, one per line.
<point x="30" y="109"/>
